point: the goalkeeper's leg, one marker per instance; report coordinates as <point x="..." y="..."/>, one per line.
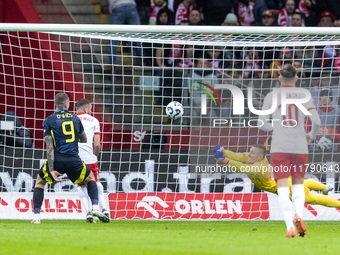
<point x="315" y="185"/>
<point x="316" y="199"/>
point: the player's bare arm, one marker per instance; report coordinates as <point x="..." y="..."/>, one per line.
<point x="96" y="145"/>
<point x="82" y="138"/>
<point x="50" y="152"/>
<point x="50" y="158"/>
<point x="316" y="123"/>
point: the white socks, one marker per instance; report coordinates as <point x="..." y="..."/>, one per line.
<point x="298" y="198"/>
<point x="84" y="198"/>
<point x="96" y="207"/>
<point x="285" y="206"/>
<point x="100" y="195"/>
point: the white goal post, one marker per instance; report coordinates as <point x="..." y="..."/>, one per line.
<point x="153" y="167"/>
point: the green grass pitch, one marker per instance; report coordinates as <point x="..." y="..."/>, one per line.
<point x="65" y="237"/>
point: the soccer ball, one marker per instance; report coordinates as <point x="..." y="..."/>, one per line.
<point x="174" y="110"/>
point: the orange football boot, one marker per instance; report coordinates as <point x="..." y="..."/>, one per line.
<point x="300" y="226"/>
<point x="291" y="233"/>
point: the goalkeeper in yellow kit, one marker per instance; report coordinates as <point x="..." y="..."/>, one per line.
<point x="255" y="164"/>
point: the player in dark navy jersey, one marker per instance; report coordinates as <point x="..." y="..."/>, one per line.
<point x="62" y="132"/>
<point x="65" y="129"/>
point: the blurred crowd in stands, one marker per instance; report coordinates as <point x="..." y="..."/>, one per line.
<point x="311" y="61"/>
<point x="257" y="67"/>
<point x="324" y="13"/>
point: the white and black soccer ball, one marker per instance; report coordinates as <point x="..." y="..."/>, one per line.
<point x="174" y="110"/>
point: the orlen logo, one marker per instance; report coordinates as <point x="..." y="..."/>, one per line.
<point x="188" y="206"/>
<point x="149" y="201"/>
<point x="3" y="202"/>
<point x="192" y="206"/>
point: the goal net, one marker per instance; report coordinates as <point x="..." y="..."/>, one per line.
<point x="153" y="167"/>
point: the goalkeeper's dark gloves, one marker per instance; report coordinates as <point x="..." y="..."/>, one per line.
<point x="220" y="157"/>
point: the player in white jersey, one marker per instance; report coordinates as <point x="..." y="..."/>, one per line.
<point x="289" y="145"/>
<point x="89" y="152"/>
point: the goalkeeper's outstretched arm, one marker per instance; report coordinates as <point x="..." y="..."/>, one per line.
<point x="238" y="161"/>
<point x="241" y="157"/>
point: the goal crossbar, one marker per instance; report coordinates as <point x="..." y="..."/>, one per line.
<point x="186" y="35"/>
<point x="169" y="29"/>
<point x="153" y="167"/>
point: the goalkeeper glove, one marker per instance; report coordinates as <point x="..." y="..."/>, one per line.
<point x="220" y="157"/>
<point x="218" y="147"/>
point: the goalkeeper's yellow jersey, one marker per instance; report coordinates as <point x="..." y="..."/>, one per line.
<point x="258" y="173"/>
